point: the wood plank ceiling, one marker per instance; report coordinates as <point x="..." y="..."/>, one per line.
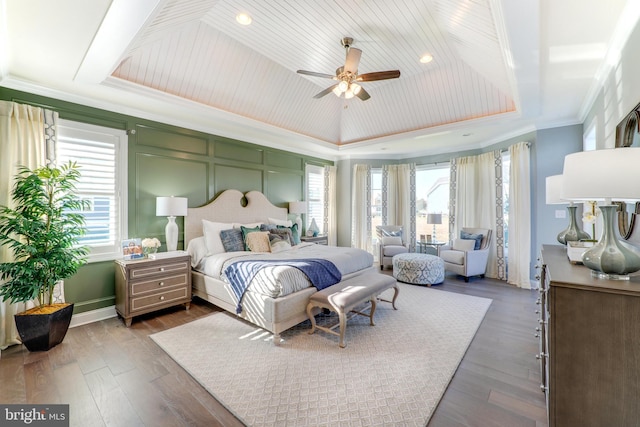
<point x="196" y="50"/>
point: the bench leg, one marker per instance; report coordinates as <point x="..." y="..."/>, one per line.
<point x="343" y="326"/>
<point x="311" y="317"/>
<point x="396" y="290"/>
<point x="372" y="310"/>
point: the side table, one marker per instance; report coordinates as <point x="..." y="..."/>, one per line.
<point x="318" y="240"/>
<point x="151" y="284"/>
<point x="431" y="248"/>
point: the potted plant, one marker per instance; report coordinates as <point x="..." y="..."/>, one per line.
<point x="43" y="231"/>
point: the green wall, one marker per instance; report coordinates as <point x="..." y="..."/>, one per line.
<point x="165" y="160"/>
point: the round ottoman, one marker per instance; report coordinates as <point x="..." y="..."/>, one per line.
<point x="418" y="269"/>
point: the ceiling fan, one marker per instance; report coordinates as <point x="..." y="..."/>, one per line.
<point x="348" y="77"/>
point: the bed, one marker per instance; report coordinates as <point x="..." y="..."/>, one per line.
<point x="275" y="310"/>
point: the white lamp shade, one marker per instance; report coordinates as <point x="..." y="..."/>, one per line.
<point x="298" y="207"/>
<point x="171" y="206"/>
<point x="554" y="188"/>
<point x="602" y="175"/>
<point x="434" y="218"/>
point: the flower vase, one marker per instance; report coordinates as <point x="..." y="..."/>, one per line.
<point x="573" y="233"/>
<point x="148" y="250"/>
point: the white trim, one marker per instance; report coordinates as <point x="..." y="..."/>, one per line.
<point x="93" y="316"/>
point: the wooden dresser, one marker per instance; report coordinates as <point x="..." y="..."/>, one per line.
<point x="147" y="285"/>
<point x="589" y="333"/>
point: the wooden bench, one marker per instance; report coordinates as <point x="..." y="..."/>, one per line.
<point x="344" y="297"/>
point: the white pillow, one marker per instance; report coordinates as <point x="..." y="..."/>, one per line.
<point x="197" y="248"/>
<point x="211" y="232"/>
<point x="275" y="221"/>
<point x="391" y="240"/>
<point x="463" y="245"/>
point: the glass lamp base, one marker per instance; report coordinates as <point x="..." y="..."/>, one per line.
<point x="607" y="276"/>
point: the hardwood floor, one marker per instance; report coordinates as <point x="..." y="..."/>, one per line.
<point x="117" y="376"/>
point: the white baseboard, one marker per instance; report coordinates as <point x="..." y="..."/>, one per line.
<point x="93" y="316"/>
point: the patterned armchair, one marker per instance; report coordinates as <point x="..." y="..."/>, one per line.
<point x="390" y="243"/>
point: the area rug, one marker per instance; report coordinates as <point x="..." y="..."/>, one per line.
<point x="393" y="373"/>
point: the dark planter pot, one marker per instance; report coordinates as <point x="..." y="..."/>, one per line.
<point x="42" y="332"/>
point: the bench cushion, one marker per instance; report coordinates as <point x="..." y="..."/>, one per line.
<point x="353" y="291"/>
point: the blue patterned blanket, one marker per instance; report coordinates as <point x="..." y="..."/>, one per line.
<point x="321" y="273"/>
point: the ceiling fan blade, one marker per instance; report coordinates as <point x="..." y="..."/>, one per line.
<point x="313" y="73"/>
<point x="363" y="94"/>
<point x="353" y="60"/>
<point x="325" y="92"/>
<point x="378" y="75"/>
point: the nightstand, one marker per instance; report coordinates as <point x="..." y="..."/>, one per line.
<point x="318" y="240"/>
<point x="147" y="285"/>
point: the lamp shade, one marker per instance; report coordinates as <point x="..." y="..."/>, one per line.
<point x="602" y="175"/>
<point x="298" y="207"/>
<point x="554" y="188"/>
<point x="171" y="206"/>
<point x="434" y="218"/>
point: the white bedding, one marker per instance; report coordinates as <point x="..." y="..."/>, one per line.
<point x="276" y="281"/>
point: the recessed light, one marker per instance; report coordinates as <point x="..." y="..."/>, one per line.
<point x="243" y="18"/>
<point x="426" y="58"/>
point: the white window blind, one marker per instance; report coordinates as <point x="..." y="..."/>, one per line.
<point x="101" y="154"/>
<point x="315" y="196"/>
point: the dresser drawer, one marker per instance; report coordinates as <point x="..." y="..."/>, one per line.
<point x="157" y="284"/>
<point x="142" y="271"/>
<point x="160" y="299"/>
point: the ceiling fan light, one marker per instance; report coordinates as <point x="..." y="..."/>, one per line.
<point x="337" y="91"/>
<point x="348" y="94"/>
<point x="343" y="86"/>
<point x="355" y="88"/>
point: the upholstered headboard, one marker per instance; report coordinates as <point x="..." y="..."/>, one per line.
<point x="228" y="207"/>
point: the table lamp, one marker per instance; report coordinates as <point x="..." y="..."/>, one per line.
<point x="573" y="233"/>
<point x="298" y="208"/>
<point x="603" y="175"/>
<point x="171" y="207"/>
<point x="434" y="218"/>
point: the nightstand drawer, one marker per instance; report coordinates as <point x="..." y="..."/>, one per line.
<point x="141" y="271"/>
<point x="146" y="286"/>
<point x="161" y="299"/>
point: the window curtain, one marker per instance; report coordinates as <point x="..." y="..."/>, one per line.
<point x="519" y="260"/>
<point x="399" y="199"/>
<point x="361" y="208"/>
<point x="476" y="201"/>
<point x="330" y="203"/>
<point x="22" y="143"/>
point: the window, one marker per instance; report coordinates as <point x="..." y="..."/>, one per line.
<point x="506" y="179"/>
<point x="432" y="197"/>
<point x="315" y="197"/>
<point x="101" y="154"/>
<point x="589" y="141"/>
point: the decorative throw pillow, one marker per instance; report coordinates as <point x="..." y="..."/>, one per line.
<point x="464" y="245"/>
<point x="279" y="242"/>
<point x="245" y="232"/>
<point x="232" y="240"/>
<point x="248" y="225"/>
<point x="391" y="240"/>
<point x="470" y="236"/>
<point x="294" y="233"/>
<point x="211" y="231"/>
<point x="285" y="233"/>
<point x="258" y="241"/>
<point x="284" y="223"/>
<point x="268" y="227"/>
